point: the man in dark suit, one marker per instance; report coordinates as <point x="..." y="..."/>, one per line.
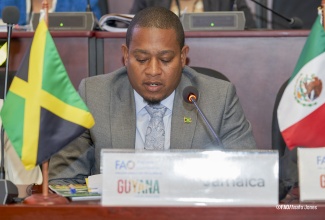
<point x="154" y="75"/>
<point x="208" y="5"/>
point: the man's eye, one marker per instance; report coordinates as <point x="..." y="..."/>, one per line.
<point x="165" y="60"/>
<point x="141" y="60"/>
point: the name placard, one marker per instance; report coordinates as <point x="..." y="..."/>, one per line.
<point x="190" y="178"/>
<point x="311" y="166"/>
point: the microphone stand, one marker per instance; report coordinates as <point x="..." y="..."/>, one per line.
<point x="8" y="190"/>
<point x="193" y="100"/>
<point x="9" y="32"/>
<point x="294" y="24"/>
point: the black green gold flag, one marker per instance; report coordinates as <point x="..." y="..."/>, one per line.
<point x="42" y="111"/>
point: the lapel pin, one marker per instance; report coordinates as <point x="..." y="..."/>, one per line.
<point x="187" y="120"/>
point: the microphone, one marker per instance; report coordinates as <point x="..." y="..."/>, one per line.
<point x="294" y="23"/>
<point x="191" y="95"/>
<point x="8" y="191"/>
<point x="10" y="15"/>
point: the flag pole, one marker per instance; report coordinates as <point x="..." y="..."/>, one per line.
<point x="45" y="9"/>
<point x="45" y="198"/>
<point x="322" y="9"/>
<point x="45" y="165"/>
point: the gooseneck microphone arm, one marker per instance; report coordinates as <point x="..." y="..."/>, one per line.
<point x="294" y="23"/>
<point x="280" y="15"/>
<point x="206" y="120"/>
<point x="190" y="95"/>
<point x="10" y="15"/>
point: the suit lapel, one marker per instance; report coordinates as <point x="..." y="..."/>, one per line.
<point x="182" y="132"/>
<point x="122" y="114"/>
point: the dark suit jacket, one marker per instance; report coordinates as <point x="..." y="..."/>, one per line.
<point x="209" y="5"/>
<point x="110" y="98"/>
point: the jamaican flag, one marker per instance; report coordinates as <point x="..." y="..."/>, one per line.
<point x="43" y="112"/>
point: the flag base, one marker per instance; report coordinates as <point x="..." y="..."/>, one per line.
<point x="50" y="199"/>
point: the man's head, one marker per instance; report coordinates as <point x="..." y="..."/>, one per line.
<point x="155" y="54"/>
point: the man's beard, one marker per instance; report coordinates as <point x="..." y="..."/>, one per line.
<point x="153" y="101"/>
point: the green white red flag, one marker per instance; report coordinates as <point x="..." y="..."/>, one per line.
<point x="301" y="111"/>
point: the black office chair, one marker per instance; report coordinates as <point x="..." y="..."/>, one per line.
<point x="277" y="139"/>
<point x="286" y="183"/>
<point x="210" y="72"/>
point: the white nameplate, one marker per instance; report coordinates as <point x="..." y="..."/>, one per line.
<point x="311" y="165"/>
<point x="190" y="178"/>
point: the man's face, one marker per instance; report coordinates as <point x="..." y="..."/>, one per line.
<point x="154" y="62"/>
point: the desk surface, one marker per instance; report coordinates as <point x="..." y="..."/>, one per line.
<point x="95" y="211"/>
<point x="289" y="208"/>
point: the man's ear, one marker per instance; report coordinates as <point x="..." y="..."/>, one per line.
<point x="125" y="52"/>
<point x="184" y="53"/>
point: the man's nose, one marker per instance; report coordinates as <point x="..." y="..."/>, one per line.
<point x="153" y="67"/>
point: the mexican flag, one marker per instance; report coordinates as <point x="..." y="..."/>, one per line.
<point x="301" y="111"/>
<point x="42" y="111"/>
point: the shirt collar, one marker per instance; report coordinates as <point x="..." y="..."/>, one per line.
<point x="140" y="103"/>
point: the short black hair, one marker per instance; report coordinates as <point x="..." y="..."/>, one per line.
<point x="157" y="17"/>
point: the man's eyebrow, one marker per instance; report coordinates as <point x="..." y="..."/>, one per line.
<point x="163" y="52"/>
<point x="140" y="51"/>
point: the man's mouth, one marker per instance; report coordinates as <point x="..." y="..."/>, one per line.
<point x="153" y="86"/>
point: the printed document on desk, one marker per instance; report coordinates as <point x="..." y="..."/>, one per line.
<point x="76" y="192"/>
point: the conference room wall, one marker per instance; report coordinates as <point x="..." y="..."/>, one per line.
<point x="76" y="48"/>
<point x="257" y="62"/>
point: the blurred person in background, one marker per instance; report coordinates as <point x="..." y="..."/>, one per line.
<point x="188" y="6"/>
<point x="27" y="7"/>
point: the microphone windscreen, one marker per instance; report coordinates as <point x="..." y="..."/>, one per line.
<point x="10" y="15"/>
<point x="190" y="90"/>
<point x="295" y="23"/>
